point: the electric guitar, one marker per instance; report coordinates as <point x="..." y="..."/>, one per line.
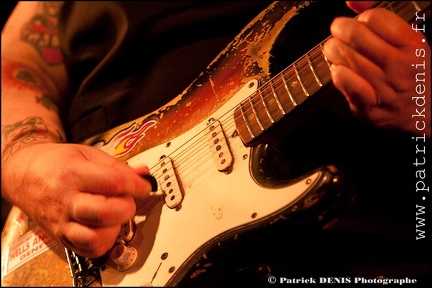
<point x="216" y="176"/>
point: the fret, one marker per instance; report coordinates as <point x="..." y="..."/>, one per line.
<point x="399" y="8"/>
<point x="313" y="70"/>
<point x="288" y="90"/>
<point x="256" y="114"/>
<point x="277" y="98"/>
<point x="300" y="80"/>
<point x="416" y="6"/>
<point x="405" y="9"/>
<point x="325" y="58"/>
<point x="320" y="65"/>
<point x="308" y="75"/>
<point x="266" y="107"/>
<point x="264" y="111"/>
<point x="294" y="86"/>
<point x="246" y="121"/>
<point x="280" y="88"/>
<point x="272" y="102"/>
<point x="390" y="7"/>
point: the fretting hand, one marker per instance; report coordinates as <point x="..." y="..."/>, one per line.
<point x="378" y="64"/>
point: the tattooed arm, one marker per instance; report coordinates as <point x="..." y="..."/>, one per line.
<point x="33" y="77"/>
<point x="78" y="194"/>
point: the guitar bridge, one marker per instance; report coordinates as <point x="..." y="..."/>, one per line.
<point x="84" y="271"/>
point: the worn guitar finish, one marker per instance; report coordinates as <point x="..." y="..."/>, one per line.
<point x="245" y="58"/>
<point x="214" y="180"/>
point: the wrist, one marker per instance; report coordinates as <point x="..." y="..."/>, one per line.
<point x="30" y="131"/>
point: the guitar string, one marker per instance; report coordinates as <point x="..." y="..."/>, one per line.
<point x="179" y="157"/>
<point x="228" y="114"/>
<point x="396" y="7"/>
<point x="306" y="66"/>
<point x="179" y="161"/>
<point x="267" y="89"/>
<point x="198" y="151"/>
<point x="200" y="145"/>
<point x="300" y="62"/>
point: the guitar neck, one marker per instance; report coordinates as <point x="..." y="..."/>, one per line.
<point x="296" y="83"/>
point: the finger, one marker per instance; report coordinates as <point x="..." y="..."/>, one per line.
<point x="98" y="210"/>
<point x="140" y="169"/>
<point x="361" y="97"/>
<point x="361" y="39"/>
<point x="358" y="92"/>
<point x="339" y="53"/>
<point x="144" y="172"/>
<point x="88" y="242"/>
<point x="112" y="180"/>
<point x="398" y="33"/>
<point x="359" y="6"/>
<point x="130" y="175"/>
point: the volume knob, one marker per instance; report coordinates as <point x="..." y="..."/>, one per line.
<point x="124" y="257"/>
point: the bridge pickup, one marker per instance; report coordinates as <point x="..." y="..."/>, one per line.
<point x="168" y="183"/>
<point x="218" y="143"/>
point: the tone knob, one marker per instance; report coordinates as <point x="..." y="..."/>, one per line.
<point x="124" y="257"/>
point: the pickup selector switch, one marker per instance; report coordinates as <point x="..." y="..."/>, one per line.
<point x="127" y="232"/>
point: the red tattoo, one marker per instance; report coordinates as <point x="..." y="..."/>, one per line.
<point x="41" y="33"/>
<point x="19" y="76"/>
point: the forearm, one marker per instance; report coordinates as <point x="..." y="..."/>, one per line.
<point x="33" y="80"/>
<point x="28" y="117"/>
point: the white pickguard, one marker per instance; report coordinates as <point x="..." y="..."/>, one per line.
<point x="214" y="202"/>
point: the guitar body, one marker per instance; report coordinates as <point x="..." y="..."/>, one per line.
<point x="216" y="205"/>
<point x="247" y="57"/>
<point x="214" y="188"/>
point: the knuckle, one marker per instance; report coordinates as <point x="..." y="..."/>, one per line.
<point x="347" y="56"/>
<point x="116" y="183"/>
<point x="371" y="15"/>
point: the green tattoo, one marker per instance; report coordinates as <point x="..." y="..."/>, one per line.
<point x="26" y="76"/>
<point x="47" y="102"/>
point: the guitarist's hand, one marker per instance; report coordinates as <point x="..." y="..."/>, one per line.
<point x="79" y="194"/>
<point x="375" y="61"/>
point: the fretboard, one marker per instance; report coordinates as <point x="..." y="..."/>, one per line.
<point x="297" y="83"/>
